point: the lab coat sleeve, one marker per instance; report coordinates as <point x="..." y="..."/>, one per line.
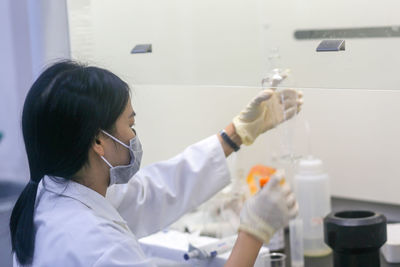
<point x="121" y="254"/>
<point x="162" y="192"/>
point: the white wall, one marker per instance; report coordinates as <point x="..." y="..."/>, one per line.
<point x="215" y="43"/>
<point x="353" y="131"/>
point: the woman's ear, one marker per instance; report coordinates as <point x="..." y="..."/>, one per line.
<point x="98" y="145"/>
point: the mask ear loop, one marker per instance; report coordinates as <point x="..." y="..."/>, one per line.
<point x="103" y="158"/>
<point x="106" y="161"/>
<point x="115" y="139"/>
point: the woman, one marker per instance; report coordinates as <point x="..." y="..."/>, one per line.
<point x="77" y="125"/>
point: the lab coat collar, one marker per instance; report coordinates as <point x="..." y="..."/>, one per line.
<point x="90" y="198"/>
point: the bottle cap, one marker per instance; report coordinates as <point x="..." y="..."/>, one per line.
<point x="310" y="165"/>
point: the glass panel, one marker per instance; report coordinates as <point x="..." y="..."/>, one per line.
<point x="292" y="30"/>
<point x="225" y="48"/>
<point x="231" y="42"/>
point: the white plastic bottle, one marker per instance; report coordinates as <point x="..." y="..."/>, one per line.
<point x="311" y="186"/>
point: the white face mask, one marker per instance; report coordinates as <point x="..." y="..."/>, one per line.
<point x="123" y="173"/>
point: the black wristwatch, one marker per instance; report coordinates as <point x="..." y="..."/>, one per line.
<point x="229" y="141"/>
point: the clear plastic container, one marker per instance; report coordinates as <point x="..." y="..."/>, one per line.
<point x="296" y="242"/>
<point x="311" y="185"/>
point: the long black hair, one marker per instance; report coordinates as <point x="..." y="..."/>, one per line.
<point x="64" y="111"/>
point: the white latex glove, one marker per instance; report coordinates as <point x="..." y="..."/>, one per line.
<point x="268" y="109"/>
<point x="269" y="210"/>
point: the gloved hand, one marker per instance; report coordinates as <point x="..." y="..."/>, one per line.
<point x="269" y="210"/>
<point x="268" y="109"/>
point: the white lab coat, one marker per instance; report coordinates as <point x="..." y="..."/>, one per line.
<point x="76" y="226"/>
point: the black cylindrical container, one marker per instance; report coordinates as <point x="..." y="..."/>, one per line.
<point x="355" y="237"/>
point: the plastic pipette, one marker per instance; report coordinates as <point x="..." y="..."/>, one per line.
<point x="210" y="250"/>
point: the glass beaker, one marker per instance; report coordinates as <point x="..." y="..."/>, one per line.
<point x="273" y="259"/>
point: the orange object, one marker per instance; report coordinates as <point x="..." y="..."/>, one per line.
<point x="258" y="176"/>
<point x="264" y="181"/>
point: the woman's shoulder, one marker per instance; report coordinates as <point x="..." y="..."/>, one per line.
<point x="70" y="232"/>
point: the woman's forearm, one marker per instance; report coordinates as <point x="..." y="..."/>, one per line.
<point x="245" y="251"/>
